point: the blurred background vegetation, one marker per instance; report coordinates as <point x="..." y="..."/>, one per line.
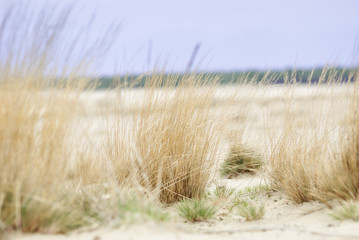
<point x="274" y="77"/>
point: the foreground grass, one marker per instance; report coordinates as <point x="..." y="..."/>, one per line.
<point x="165" y="151"/>
<point x="302" y="163"/>
<point x="53" y="179"/>
<point x="37" y="125"/>
<point x="170" y="147"/>
<point x="34" y="130"/>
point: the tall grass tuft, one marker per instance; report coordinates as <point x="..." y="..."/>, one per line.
<point x="341" y="179"/>
<point x="169" y="146"/>
<point x="316" y="154"/>
<point x="33" y="156"/>
<point x="39" y="102"/>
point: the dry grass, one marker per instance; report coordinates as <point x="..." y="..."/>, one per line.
<point x="170" y="146"/>
<point x="52" y="179"/>
<point x="38" y="110"/>
<point x="33" y="153"/>
<point x="341" y="179"/>
<point x="315" y="157"/>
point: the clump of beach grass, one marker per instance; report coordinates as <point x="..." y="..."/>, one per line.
<point x="341" y="180"/>
<point x="33" y="151"/>
<point x="196" y="210"/>
<point x="222" y="191"/>
<point x="169" y="148"/>
<point x="348" y="210"/>
<point x="249" y="211"/>
<point x="39" y="106"/>
<point x="303" y="162"/>
<point x="241" y="159"/>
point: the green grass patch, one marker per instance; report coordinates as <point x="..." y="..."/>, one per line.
<point x="132" y="210"/>
<point x="223" y="191"/>
<point x="347" y="210"/>
<point x="250" y="211"/>
<point x="196" y="210"/>
<point x="241" y="159"/>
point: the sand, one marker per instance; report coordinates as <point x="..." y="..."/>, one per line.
<point x="283" y="219"/>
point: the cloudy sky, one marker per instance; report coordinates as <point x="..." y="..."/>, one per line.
<point x="233" y="34"/>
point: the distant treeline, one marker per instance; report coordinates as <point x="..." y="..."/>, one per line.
<point x="274" y="77"/>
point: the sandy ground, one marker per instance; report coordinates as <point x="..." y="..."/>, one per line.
<point x="282" y="220"/>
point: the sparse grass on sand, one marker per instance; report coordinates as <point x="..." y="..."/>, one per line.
<point x="347" y="210"/>
<point x="249" y="211"/>
<point x="196" y="210"/>
<point x="223" y="191"/>
<point x="134" y="210"/>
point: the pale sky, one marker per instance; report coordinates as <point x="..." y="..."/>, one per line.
<point x="233" y="35"/>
